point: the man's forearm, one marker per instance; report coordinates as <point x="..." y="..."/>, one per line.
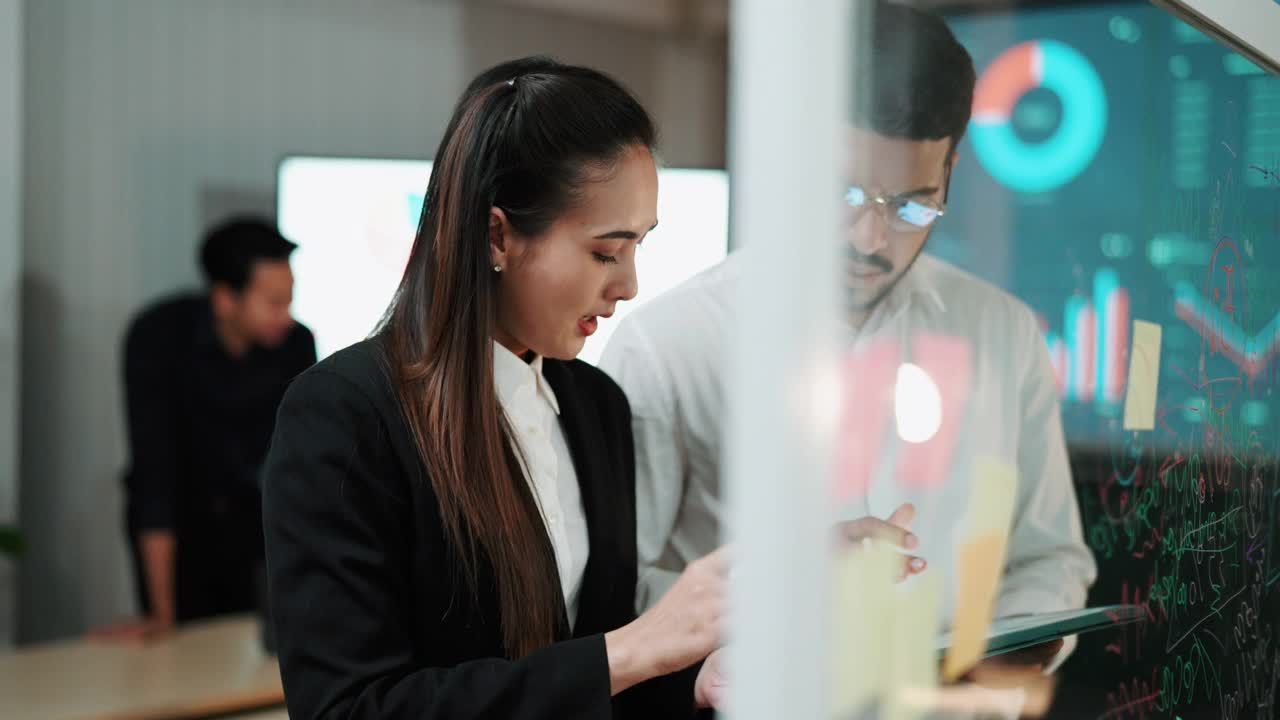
<point x="158" y="550"/>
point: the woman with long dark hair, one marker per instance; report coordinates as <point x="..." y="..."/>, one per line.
<point x="450" y="504"/>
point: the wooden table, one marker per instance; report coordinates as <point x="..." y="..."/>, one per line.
<point x="210" y="668"/>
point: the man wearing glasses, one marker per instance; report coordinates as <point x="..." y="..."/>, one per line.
<point x="669" y="355"/>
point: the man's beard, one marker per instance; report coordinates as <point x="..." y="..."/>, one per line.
<point x="864" y="307"/>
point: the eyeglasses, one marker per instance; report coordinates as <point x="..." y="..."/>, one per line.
<point x="909" y="213"/>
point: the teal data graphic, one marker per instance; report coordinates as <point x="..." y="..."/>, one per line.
<point x="1090" y="357"/>
<point x="1037" y="165"/>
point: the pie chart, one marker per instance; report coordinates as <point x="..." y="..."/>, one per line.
<point x="1037" y="166"/>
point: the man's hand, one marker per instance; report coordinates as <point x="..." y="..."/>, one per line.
<point x="896" y="531"/>
<point x="1015" y="668"/>
<point x="158" y="549"/>
<point x="137" y="630"/>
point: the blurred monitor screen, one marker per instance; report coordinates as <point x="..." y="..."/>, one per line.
<point x="1113" y="149"/>
<point x="354" y="221"/>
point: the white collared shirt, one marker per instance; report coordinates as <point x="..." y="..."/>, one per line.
<point x="669" y="357"/>
<point x="532" y="411"/>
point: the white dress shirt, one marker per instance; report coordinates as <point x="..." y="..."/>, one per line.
<point x="532" y="411"/>
<point x="669" y="357"/>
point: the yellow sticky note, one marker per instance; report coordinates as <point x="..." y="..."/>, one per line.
<point x="991" y="496"/>
<point x="914" y="646"/>
<point x="862" y="580"/>
<point x="980" y="559"/>
<point x="1144" y="375"/>
<point x="849" y="681"/>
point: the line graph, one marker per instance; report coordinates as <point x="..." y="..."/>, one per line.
<point x="1251" y="353"/>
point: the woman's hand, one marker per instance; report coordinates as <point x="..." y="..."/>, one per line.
<point x="710" y="688"/>
<point x="682" y="628"/>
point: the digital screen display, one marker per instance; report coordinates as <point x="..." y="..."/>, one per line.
<point x="354" y="221"/>
<point x="1121" y="165"/>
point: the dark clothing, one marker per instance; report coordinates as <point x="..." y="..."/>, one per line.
<point x="200" y="423"/>
<point x="369" y="619"/>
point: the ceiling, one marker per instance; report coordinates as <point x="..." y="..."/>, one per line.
<point x="697" y="17"/>
<point x="700" y="17"/>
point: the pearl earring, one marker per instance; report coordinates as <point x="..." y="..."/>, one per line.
<point x="497" y="268"/>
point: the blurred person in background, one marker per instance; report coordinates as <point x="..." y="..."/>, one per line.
<point x="916" y="83"/>
<point x="203" y="377"/>
<point x="450" y="505"/>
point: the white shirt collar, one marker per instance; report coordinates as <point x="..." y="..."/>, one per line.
<point x="915" y="291"/>
<point x="512" y="375"/>
<point x="916" y="284"/>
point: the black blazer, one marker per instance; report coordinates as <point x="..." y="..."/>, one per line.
<point x="369" y="619"/>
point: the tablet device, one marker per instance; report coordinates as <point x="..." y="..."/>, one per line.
<point x="1023" y="631"/>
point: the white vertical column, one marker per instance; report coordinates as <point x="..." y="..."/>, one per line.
<point x="788" y="73"/>
<point x="10" y="276"/>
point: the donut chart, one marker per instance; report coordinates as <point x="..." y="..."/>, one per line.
<point x="1047" y="165"/>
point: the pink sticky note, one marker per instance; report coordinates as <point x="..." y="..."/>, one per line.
<point x="947" y="360"/>
<point x="866" y="409"/>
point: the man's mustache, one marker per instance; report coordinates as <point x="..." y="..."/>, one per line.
<point x="874" y="260"/>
